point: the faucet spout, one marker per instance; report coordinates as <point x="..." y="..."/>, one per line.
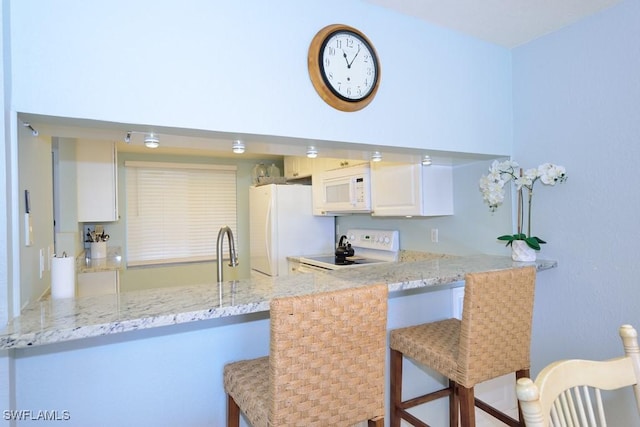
<point x="233" y="257"/>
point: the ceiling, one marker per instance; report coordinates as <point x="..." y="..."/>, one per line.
<point x="179" y="141"/>
<point x="508" y="23"/>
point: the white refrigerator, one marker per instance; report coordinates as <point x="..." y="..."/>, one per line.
<point x="282" y="224"/>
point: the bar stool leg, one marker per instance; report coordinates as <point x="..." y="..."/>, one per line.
<point x="467" y="406"/>
<point x="395" y="380"/>
<point x="233" y="413"/>
<point x="454" y="404"/>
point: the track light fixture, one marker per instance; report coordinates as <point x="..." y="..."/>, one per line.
<point x="376" y="156"/>
<point x="238" y="146"/>
<point x="28" y="125"/>
<point x="312" y="152"/>
<point x="426" y="160"/>
<point x="151" y="139"/>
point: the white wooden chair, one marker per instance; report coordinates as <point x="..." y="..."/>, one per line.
<point x="567" y="392"/>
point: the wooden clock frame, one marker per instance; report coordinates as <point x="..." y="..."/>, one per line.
<point x="317" y="76"/>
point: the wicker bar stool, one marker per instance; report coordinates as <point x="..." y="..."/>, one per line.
<point x="325" y="367"/>
<point x="492" y="339"/>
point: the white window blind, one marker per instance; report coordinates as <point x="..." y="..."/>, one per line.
<point x="174" y="210"/>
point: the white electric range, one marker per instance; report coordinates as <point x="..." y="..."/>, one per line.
<point x="369" y="246"/>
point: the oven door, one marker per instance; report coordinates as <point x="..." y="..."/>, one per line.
<point x="308" y="268"/>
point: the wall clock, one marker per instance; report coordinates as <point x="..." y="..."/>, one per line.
<point x="343" y="67"/>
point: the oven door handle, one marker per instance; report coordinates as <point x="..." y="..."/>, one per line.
<point x="308" y="268"/>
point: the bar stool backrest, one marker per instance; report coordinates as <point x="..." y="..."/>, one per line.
<point x="327" y="357"/>
<point x="495" y="333"/>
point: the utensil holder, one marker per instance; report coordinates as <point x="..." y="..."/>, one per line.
<point x="98" y="250"/>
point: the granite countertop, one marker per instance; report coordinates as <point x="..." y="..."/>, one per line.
<point x="113" y="261"/>
<point x="52" y="321"/>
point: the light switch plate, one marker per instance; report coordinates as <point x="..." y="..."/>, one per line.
<point x="41" y="262"/>
<point x="28" y="230"/>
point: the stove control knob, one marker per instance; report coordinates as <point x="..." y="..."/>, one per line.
<point x="387" y="240"/>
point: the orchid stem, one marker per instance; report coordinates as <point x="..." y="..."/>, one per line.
<point x="520" y="206"/>
<point x="529" y="214"/>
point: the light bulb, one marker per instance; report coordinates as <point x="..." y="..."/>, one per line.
<point x="238" y="147"/>
<point x="312" y="153"/>
<point x="151" y="141"/>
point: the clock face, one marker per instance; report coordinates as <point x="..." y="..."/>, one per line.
<point x="348" y="65"/>
<point x="343" y="67"/>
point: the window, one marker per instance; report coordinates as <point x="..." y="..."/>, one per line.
<point x="174" y="210"/>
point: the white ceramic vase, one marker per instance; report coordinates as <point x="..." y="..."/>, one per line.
<point x="520" y="251"/>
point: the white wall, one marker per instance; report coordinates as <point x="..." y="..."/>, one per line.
<point x="577" y="103"/>
<point x="36" y="177"/>
<point x="242" y="67"/>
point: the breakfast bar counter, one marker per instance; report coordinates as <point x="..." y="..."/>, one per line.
<point x="56" y="321"/>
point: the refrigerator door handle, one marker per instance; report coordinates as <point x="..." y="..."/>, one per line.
<point x="267" y="226"/>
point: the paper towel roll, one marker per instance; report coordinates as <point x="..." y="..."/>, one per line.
<point x="63" y="277"/>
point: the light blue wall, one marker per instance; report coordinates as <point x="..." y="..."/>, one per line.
<point x="7" y="258"/>
<point x="242" y="67"/>
<point x="577" y="103"/>
<point x="171" y="376"/>
<point x="472" y="229"/>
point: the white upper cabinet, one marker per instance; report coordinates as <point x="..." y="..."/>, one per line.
<point x="296" y="167"/>
<point x="97" y="181"/>
<point x="330" y="163"/>
<point x="402" y="189"/>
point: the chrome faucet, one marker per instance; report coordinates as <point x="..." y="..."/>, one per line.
<point x="233" y="258"/>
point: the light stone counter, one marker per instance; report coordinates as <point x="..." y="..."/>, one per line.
<point x="113" y="261"/>
<point x="54" y="321"/>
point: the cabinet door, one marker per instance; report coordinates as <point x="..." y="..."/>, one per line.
<point x="98" y="283"/>
<point x="402" y="189"/>
<point x="96" y="181"/>
<point x="395" y="189"/>
<point x="291" y="167"/>
<point x="299" y="167"/>
<point x="331" y="163"/>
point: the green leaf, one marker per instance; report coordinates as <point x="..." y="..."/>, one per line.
<point x="533" y="243"/>
<point x="508" y="237"/>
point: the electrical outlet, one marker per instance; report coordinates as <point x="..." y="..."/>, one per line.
<point x="434" y="235"/>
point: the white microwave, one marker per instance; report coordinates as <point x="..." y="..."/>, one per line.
<point x="344" y="190"/>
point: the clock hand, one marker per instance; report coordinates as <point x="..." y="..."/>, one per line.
<point x="344" y="54"/>
<point x="354" y="56"/>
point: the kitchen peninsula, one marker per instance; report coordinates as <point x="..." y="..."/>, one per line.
<point x="155" y="357"/>
<point x="54" y="321"/>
